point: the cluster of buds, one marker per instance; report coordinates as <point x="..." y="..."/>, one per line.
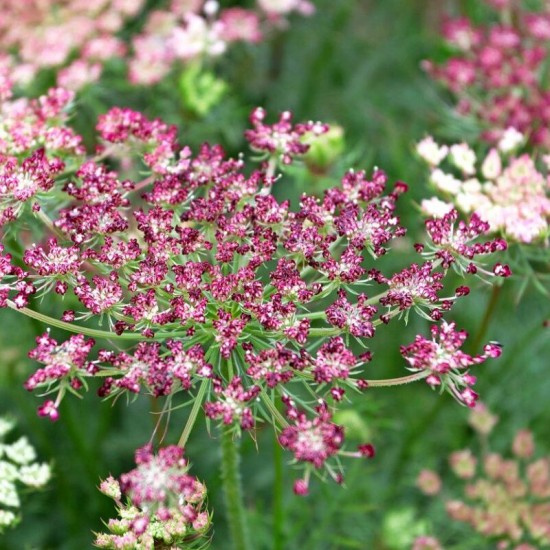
<point x="496" y="71"/>
<point x="17" y="468"/>
<point x="165" y="505"/>
<point x="223" y="295"/>
<point x="507" y="191"/>
<point x="505" y="499"/>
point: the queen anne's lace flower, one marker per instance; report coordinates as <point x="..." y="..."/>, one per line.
<point x="165" y="503"/>
<point x="505" y="499"/>
<point x="220" y="294"/>
<point x="509" y="193"/>
<point x="17" y="468"/>
<point x="496" y="74"/>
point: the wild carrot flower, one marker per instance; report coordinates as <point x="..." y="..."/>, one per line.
<point x="165" y="503"/>
<point x="495" y="71"/>
<point x="46" y="34"/>
<point x="227" y="297"/>
<point x="17" y="468"/>
<point x="508" y="192"/>
<point x="505" y="499"/>
<point x="446" y="364"/>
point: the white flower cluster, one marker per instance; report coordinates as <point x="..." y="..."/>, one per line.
<point x="17" y="467"/>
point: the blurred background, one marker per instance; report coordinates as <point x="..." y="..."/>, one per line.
<point x="355" y="64"/>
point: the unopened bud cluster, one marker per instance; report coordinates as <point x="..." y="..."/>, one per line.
<point x="165" y="505"/>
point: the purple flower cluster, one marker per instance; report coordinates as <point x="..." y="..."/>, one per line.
<point x="444" y="362"/>
<point x="222" y="293"/>
<point x="66" y="366"/>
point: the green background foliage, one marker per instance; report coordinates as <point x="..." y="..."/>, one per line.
<point x="355" y="64"/>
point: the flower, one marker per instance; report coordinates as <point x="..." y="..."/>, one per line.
<point x="282" y="139"/>
<point x="507" y="499"/>
<point x="429" y="482"/>
<point x="511" y="195"/>
<point x="166" y="503"/>
<point x="494" y="71"/>
<point x="17" y="468"/>
<point x="219" y="294"/>
<point x="444" y="363"/>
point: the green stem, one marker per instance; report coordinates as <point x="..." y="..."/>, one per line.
<point x="312" y="315"/>
<point x="270" y="405"/>
<point x="486" y="321"/>
<point x="278" y="501"/>
<point x="398" y="381"/>
<point x="271" y="168"/>
<point x="43" y="217"/>
<point x="324" y="331"/>
<point x="416" y="431"/>
<point x="232" y="488"/>
<point x="193" y="414"/>
<point x="92" y="332"/>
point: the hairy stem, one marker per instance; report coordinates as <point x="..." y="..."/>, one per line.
<point x="232" y="488"/>
<point x="278" y="502"/>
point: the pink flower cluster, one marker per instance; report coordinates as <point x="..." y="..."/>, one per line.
<point x="508" y="192"/>
<point x="27" y="124"/>
<point x="496" y="72"/>
<point x="282" y="138"/>
<point x="66" y="367"/>
<point x="47" y="34"/>
<point x="185" y="32"/>
<point x="77" y="38"/>
<point x="506" y="499"/>
<point x="315" y="440"/>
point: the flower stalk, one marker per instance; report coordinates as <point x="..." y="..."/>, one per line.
<point x="233" y="492"/>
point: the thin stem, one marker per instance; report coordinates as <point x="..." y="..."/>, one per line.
<point x="324" y="331"/>
<point x="312" y="315"/>
<point x="144" y="183"/>
<point x="43" y="217"/>
<point x="232" y="488"/>
<point x="271" y="167"/>
<point x="487" y="317"/>
<point x="416" y="432"/>
<point x="273" y="409"/>
<point x="398" y="381"/>
<point x="193" y="414"/>
<point x="92" y="332"/>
